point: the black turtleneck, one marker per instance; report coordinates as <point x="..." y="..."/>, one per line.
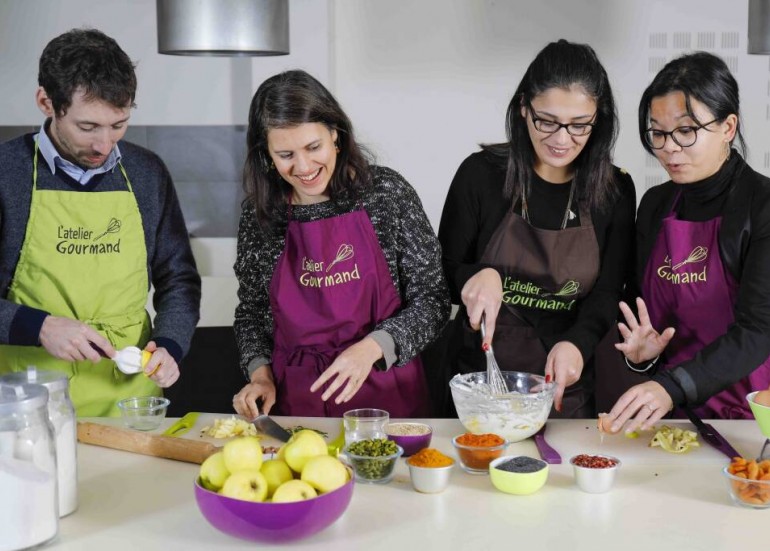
<point x="741" y="197"/>
<point x="705" y="199"/>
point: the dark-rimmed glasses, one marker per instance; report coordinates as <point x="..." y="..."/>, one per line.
<point x="547" y="126"/>
<point x="683" y="136"/>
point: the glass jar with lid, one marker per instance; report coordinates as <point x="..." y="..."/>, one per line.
<point x="61" y="412"/>
<point x="28" y="499"/>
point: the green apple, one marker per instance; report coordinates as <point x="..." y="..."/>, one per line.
<point x="325" y="473"/>
<point x="302" y="446"/>
<point x="276" y="472"/>
<point x="213" y="472"/>
<point x="247" y="485"/>
<point x="293" y="490"/>
<point x="242" y="453"/>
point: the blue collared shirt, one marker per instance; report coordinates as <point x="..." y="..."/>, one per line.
<point x="79" y="174"/>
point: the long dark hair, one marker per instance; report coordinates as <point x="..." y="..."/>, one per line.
<point x="699" y="75"/>
<point x="563" y="64"/>
<point x="90" y="60"/>
<point x="290" y="99"/>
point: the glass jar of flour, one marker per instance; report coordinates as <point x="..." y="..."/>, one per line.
<point x="28" y="495"/>
<point x="62" y="416"/>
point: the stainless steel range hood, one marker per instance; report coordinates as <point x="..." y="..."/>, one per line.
<point x="223" y="27"/>
<point x="759" y="26"/>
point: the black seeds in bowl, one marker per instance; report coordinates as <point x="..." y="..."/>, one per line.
<point x="521" y="464"/>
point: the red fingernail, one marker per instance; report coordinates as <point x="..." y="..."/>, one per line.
<point x="485" y="347"/>
<point x="547" y="378"/>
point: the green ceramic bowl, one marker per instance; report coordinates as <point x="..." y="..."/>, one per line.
<point x="521" y="484"/>
<point x="761" y="414"/>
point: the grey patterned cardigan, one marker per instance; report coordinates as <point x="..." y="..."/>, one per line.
<point x="411" y="249"/>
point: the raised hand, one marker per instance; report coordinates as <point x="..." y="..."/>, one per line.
<point x="641" y="342"/>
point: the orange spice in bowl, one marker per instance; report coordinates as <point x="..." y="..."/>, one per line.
<point x="477" y="451"/>
<point x="431" y="458"/>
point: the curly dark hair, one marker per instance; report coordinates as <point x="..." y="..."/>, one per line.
<point x="87" y="60"/>
<point x="563" y="64"/>
<point x="285" y="100"/>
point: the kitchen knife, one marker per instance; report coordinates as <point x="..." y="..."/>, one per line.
<point x="710" y="435"/>
<point x="547" y="453"/>
<point x="267" y="426"/>
<point x="183" y="425"/>
<point x="181" y="449"/>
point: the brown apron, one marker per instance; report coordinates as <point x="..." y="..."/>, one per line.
<point x="546" y="270"/>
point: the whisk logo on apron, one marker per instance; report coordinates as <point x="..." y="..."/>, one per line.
<point x="82" y="241"/>
<point x="315" y="275"/>
<point x="691" y="275"/>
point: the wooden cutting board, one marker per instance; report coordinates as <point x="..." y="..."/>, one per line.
<point x="583" y="437"/>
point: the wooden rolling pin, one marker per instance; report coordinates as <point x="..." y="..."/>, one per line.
<point x="156" y="445"/>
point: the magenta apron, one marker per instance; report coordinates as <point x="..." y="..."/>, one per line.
<point x="331" y="286"/>
<point x="687" y="287"/>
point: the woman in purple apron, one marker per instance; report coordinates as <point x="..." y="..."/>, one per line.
<point x="703" y="241"/>
<point x="537" y="232"/>
<point x="339" y="269"/>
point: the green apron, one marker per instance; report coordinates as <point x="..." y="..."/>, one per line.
<point x="84" y="257"/>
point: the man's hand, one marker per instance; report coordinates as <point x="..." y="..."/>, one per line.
<point x="70" y="340"/>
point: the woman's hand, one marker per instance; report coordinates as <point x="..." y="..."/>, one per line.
<point x="349" y="370"/>
<point x="563" y="366"/>
<point x="483" y="293"/>
<point x="647" y="403"/>
<point x="641" y="342"/>
<point x="261" y="388"/>
<point x="161" y="368"/>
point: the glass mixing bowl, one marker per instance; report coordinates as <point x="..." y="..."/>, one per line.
<point x="515" y="416"/>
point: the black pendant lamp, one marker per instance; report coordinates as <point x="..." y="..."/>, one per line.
<point x="223" y="27"/>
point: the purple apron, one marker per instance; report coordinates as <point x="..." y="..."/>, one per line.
<point x="686" y="286"/>
<point x="330" y="288"/>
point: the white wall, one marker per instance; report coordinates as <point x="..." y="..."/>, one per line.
<point x="424" y="81"/>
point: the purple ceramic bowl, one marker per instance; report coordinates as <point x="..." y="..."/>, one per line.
<point x="412" y="443"/>
<point x="272" y="522"/>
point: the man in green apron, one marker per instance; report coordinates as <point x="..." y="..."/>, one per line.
<point x="85" y="227"/>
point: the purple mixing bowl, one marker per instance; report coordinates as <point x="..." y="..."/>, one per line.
<point x="412" y="443"/>
<point x="272" y="522"/>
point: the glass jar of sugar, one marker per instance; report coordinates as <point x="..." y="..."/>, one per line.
<point x="62" y="416"/>
<point x="28" y="499"/>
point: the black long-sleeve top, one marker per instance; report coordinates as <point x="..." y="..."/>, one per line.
<point x="475" y="207"/>
<point x="742" y="197"/>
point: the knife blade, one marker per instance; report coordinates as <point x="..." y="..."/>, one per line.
<point x="183" y="425"/>
<point x="711" y="435"/>
<point x="266" y="425"/>
<point x="547" y="453"/>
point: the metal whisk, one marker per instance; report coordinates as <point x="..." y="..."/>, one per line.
<point x="494" y="377"/>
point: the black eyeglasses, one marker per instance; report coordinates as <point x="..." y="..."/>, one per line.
<point x="683" y="136"/>
<point x="552" y="127"/>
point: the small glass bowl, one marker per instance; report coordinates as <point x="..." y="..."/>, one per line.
<point x="144" y="412"/>
<point x="373" y="470"/>
<point x="595" y="480"/>
<point x="476" y="459"/>
<point x="748" y="493"/>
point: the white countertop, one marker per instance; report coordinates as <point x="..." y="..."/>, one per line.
<point x="660" y="500"/>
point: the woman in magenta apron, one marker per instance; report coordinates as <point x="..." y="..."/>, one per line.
<point x="703" y="255"/>
<point x="339" y="268"/>
<point x="537" y="232"/>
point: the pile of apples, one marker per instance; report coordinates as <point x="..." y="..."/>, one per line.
<point x="301" y="470"/>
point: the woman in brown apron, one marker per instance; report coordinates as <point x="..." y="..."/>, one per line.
<point x="537" y="232"/>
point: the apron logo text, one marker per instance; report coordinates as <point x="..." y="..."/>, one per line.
<point x="66" y="237"/>
<point x="309" y="280"/>
<point x="515" y="294"/>
<point x="666" y="271"/>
